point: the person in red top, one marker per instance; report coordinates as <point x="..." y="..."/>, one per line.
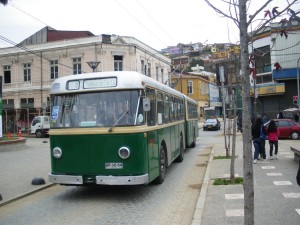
<point x="272" y="133"/>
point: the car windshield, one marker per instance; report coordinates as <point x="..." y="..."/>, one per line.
<point x="101" y="109"/>
<point x="211" y="120"/>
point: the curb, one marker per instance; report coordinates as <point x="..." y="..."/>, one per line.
<point x="9" y="145"/>
<point x="197" y="219"/>
<point x="26" y="194"/>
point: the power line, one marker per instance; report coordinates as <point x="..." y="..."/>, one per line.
<point x="26" y="13"/>
<point x="155" y="20"/>
<point x="136" y="19"/>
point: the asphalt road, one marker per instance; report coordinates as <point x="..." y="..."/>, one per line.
<point x="173" y="202"/>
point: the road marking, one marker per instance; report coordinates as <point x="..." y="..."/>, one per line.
<point x="282" y="183"/>
<point x="289" y="156"/>
<point x="298" y="211"/>
<point x="234" y="196"/>
<point x="285" y="153"/>
<point x="274" y="174"/>
<point x="268" y="167"/>
<point x="234" y="212"/>
<point x="291" y="195"/>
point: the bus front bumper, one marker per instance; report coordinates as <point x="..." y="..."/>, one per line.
<point x="65" y="179"/>
<point x="122" y="180"/>
<point x="104" y="180"/>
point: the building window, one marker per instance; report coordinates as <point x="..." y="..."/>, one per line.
<point x="118" y="63"/>
<point x="263" y="59"/>
<point x="162" y="75"/>
<point x="53" y="69"/>
<point x="190" y="87"/>
<point x="7" y="74"/>
<point x="27" y="102"/>
<point x="149" y="69"/>
<point x="156" y="71"/>
<point x="27" y="72"/>
<point x="77" y="66"/>
<point x="143" y="67"/>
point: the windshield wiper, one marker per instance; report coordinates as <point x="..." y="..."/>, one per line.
<point x="121" y="117"/>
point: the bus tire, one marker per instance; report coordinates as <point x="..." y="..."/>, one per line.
<point x="180" y="157"/>
<point x="162" y="166"/>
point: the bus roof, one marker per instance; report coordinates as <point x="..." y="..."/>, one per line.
<point x="107" y="81"/>
<point x="190" y="100"/>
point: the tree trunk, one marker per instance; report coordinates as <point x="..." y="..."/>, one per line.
<point x="247" y="136"/>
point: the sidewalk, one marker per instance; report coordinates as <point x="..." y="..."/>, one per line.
<point x="276" y="193"/>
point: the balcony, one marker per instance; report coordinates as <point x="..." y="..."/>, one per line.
<point x="264" y="69"/>
<point x="27" y="105"/>
<point x="8" y="106"/>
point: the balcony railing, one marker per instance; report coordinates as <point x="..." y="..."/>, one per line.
<point x="27" y="105"/>
<point x="7" y="106"/>
<point x="264" y="69"/>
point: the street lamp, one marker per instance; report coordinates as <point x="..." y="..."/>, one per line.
<point x="93" y="64"/>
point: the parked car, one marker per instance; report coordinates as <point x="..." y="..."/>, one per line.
<point x="212" y="124"/>
<point x="287" y="128"/>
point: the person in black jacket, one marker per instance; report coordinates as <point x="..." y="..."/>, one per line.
<point x="259" y="144"/>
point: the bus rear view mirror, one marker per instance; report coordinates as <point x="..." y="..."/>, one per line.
<point x="146" y="104"/>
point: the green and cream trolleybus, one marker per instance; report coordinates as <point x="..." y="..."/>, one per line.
<point x="117" y="128"/>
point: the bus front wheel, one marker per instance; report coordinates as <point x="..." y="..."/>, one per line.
<point x="162" y="166"/>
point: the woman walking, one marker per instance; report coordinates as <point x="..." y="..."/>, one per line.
<point x="258" y="142"/>
<point x="272" y="132"/>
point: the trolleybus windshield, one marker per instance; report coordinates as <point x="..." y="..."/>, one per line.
<point x="97" y="109"/>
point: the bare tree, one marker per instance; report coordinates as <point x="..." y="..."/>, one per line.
<point x="238" y="13"/>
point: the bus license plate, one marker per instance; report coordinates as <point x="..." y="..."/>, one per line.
<point x="114" y="165"/>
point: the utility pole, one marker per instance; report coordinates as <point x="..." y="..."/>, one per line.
<point x="222" y="80"/>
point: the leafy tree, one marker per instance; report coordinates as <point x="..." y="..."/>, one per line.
<point x="241" y="17"/>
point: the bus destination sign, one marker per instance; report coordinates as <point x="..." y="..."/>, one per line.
<point x="100" y="83"/>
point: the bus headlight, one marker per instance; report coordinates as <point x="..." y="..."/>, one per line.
<point x="57" y="152"/>
<point x="124" y="152"/>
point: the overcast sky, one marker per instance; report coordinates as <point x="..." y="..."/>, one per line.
<point x="157" y="23"/>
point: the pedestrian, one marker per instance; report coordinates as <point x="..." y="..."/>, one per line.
<point x="280" y="115"/>
<point x="240" y="123"/>
<point x="10" y="126"/>
<point x="273" y="134"/>
<point x="258" y="142"/>
<point x="298" y="175"/>
<point x="253" y="118"/>
<point x="265" y="118"/>
<point x="296" y="117"/>
<point x="19" y="125"/>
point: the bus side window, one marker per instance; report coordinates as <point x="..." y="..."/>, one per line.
<point x="160" y="108"/>
<point x="166" y="109"/>
<point x="171" y="109"/>
<point x="151" y="115"/>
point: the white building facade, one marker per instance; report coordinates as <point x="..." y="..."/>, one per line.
<point x="28" y="70"/>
